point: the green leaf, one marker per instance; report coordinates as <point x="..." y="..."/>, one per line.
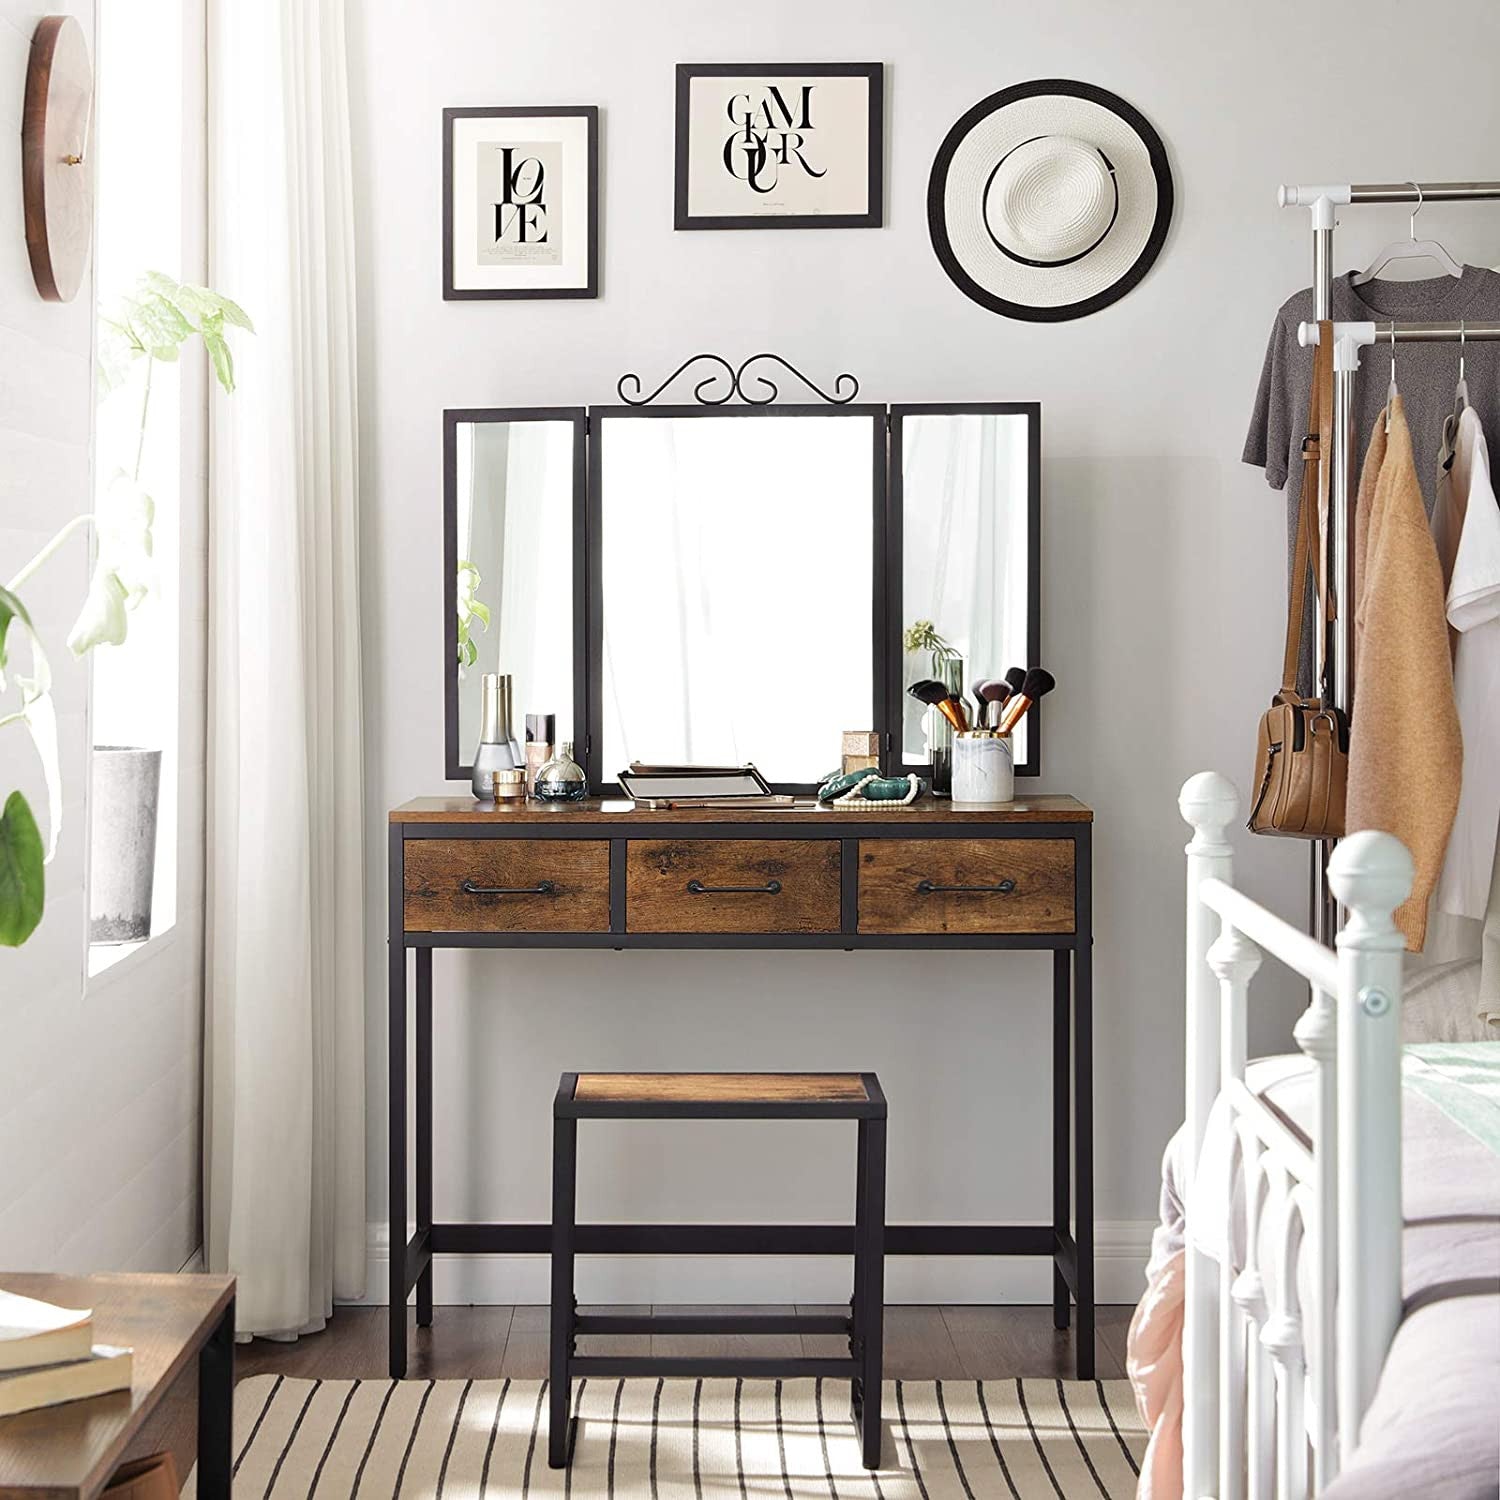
<point x="221" y="359"/>
<point x="235" y="315"/>
<point x="481" y="612"/>
<point x="22" y="878"/>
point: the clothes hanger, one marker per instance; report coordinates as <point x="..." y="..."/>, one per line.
<point x="1461" y="391"/>
<point x="1390" y="390"/>
<point x="1410" y="248"/>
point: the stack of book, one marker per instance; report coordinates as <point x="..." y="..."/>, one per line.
<point x="48" y="1356"/>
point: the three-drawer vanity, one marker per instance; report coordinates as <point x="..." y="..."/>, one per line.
<point x="606" y="874"/>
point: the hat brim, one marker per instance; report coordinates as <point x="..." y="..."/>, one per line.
<point x="998" y="124"/>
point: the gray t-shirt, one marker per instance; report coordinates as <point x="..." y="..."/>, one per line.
<point x="1426" y="375"/>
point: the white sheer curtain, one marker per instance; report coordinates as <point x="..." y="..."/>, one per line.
<point x="285" y="1009"/>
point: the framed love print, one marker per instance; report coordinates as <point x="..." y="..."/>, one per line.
<point x="780" y="145"/>
<point x="521" y="202"/>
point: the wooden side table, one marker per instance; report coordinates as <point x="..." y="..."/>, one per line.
<point x="69" y="1452"/>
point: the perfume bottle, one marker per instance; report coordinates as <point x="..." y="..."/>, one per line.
<point x="561" y="779"/>
<point x="497" y="749"/>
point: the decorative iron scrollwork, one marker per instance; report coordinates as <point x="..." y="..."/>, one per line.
<point x="629" y="385"/>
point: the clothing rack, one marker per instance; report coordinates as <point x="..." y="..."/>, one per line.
<point x="1322" y="200"/>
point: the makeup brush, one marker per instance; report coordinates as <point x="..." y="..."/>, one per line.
<point x="1037" y="684"/>
<point x="992" y="693"/>
<point x="939" y="696"/>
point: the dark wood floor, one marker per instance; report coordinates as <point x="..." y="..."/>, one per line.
<point x="932" y="1343"/>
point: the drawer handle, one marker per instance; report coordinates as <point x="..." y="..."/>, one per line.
<point x="541" y="888"/>
<point x="770" y="888"/>
<point x="930" y="888"/>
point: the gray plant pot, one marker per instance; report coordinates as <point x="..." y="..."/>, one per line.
<point x="125" y="791"/>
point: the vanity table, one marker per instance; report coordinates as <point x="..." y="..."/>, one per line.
<point x="605" y="874"/>
<point x="729" y="579"/>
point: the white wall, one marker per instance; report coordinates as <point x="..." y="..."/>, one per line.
<point x="100" y="1081"/>
<point x="1162" y="573"/>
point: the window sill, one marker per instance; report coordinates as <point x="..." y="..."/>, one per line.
<point x="107" y="961"/>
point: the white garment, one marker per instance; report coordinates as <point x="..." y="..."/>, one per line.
<point x="284" y="1113"/>
<point x="1466" y="529"/>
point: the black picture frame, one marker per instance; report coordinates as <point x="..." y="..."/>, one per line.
<point x="459" y="768"/>
<point x="589" y="113"/>
<point x="874" y="215"/>
<point x="893" y="655"/>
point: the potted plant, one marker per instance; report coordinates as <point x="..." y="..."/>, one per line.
<point x="152" y="325"/>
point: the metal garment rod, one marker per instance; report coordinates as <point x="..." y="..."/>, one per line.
<point x="1405" y="333"/>
<point x="1310" y="194"/>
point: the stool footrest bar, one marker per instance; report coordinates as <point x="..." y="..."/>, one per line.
<point x="709" y="1323"/>
<point x="710" y="1369"/>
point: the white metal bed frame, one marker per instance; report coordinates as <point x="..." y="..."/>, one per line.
<point x="1267" y="1380"/>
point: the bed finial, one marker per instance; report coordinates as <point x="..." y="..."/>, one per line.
<point x="1371" y="874"/>
<point x="1209" y="804"/>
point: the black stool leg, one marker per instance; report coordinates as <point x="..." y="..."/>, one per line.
<point x="564" y="1200"/>
<point x="869" y="1283"/>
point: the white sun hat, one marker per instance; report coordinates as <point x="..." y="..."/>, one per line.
<point x="1049" y="200"/>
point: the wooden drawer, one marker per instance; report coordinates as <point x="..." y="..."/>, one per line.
<point x="1019" y="885"/>
<point x="523" y="885"/>
<point x="775" y="885"/>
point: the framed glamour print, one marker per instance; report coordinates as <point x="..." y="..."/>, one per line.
<point x="521" y="202"/>
<point x="780" y="145"/>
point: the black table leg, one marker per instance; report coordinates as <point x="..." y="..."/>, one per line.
<point x="424" y="1126"/>
<point x="564" y="1211"/>
<point x="216" y="1409"/>
<point x="1062" y="1177"/>
<point x="1083" y="1108"/>
<point x="396" y="1127"/>
<point x="869" y="1316"/>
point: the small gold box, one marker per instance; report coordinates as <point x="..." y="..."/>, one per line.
<point x="861" y="750"/>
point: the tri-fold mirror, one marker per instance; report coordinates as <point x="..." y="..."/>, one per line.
<point x="720" y="584"/>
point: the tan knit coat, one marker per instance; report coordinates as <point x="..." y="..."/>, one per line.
<point x="1405" y="749"/>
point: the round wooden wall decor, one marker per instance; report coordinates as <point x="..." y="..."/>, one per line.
<point x="57" y="168"/>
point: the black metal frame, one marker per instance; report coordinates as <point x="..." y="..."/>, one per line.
<point x="864" y="1327"/>
<point x="589" y="113"/>
<point x="886" y="548"/>
<point x="453" y="419"/>
<point x="874" y="215"/>
<point x="1032" y="411"/>
<point x="601" y="781"/>
<point x="1068" y="1240"/>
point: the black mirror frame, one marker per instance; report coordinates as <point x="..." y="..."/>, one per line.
<point x="895" y="763"/>
<point x="587" y="604"/>
<point x="457" y="770"/>
<point x="876" y="416"/>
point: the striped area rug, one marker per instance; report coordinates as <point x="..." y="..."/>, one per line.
<point x="683" y="1440"/>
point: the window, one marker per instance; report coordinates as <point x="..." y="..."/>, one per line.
<point x="148" y="441"/>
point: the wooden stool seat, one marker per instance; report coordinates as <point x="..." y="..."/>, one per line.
<point x="736" y="1088"/>
<point x="721" y="1096"/>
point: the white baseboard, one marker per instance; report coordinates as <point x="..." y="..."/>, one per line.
<point x="1120" y="1252"/>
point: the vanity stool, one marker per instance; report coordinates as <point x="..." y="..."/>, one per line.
<point x="720" y="1096"/>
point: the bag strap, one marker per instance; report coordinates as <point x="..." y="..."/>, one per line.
<point x="1312" y="508"/>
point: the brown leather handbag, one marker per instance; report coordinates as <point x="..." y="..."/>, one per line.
<point x="1302" y="749"/>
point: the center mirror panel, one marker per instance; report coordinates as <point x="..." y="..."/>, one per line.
<point x="735" y="619"/>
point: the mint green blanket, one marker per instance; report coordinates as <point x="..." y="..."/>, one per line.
<point x="1463" y="1080"/>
